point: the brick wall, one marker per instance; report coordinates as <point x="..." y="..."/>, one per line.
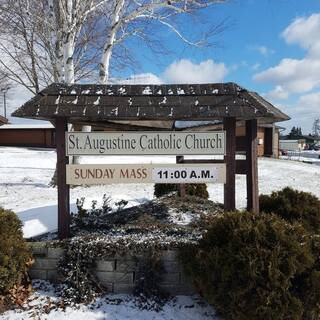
<point x="117" y="275"/>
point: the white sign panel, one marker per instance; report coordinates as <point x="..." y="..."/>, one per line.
<point x="145" y="173"/>
<point x="145" y="143"/>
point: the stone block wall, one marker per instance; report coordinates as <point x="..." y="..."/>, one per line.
<point x="117" y="275"/>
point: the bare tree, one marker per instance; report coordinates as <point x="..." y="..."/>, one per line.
<point x="5" y="85"/>
<point x="70" y="17"/>
<point x="128" y="19"/>
<point x="45" y="41"/>
<point x="65" y="41"/>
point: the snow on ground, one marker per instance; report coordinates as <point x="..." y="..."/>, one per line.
<point x="109" y="307"/>
<point x="182" y="218"/>
<point x="26" y="173"/>
<point x="24" y="178"/>
<point x="307" y="156"/>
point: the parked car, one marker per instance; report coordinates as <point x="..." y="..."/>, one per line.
<point x="283" y="152"/>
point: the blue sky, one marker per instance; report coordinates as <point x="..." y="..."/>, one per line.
<point x="269" y="46"/>
<point x="266" y="47"/>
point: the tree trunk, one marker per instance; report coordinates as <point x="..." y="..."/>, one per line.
<point x="59" y="76"/>
<point x="108" y="47"/>
<point x="68" y="59"/>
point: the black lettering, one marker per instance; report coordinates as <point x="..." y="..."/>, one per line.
<point x="87" y="143"/>
<point x="142" y="138"/>
<point x="71" y="141"/>
<point x="205" y="174"/>
<point x="193" y="174"/>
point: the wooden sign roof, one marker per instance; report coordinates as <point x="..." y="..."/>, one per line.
<point x="95" y="103"/>
<point x="3" y="120"/>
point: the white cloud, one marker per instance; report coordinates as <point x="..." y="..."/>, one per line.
<point x="256" y="66"/>
<point x="182" y="71"/>
<point x="142" y="78"/>
<point x="298" y="75"/>
<point x="295" y="76"/>
<point x="305" y="32"/>
<point x="310" y="102"/>
<point x="185" y="71"/>
<point x="263" y="50"/>
<point x="278" y="93"/>
<point x="303" y="112"/>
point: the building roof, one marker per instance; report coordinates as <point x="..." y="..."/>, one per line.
<point x="27" y="126"/>
<point x="97" y="103"/>
<point x="311" y="137"/>
<point x="3" y="120"/>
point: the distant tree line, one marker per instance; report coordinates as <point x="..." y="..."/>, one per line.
<point x="296" y="132"/>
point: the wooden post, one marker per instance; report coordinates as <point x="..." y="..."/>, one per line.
<point x="229" y="125"/>
<point x="182" y="186"/>
<point x="252" y="166"/>
<point x="63" y="188"/>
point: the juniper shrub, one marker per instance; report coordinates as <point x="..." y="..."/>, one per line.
<point x="14" y="252"/>
<point x="251" y="266"/>
<point x="293" y="205"/>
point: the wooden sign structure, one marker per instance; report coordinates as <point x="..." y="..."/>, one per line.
<point x="147" y="107"/>
<point x="145" y="143"/>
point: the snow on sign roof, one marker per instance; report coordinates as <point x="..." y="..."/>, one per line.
<point x="26" y="126"/>
<point x="201" y="102"/>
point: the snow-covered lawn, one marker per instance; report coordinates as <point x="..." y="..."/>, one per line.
<point x="24" y="179"/>
<point x="109" y="307"/>
<point x="26" y="173"/>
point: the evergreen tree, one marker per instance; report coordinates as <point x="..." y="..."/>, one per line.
<point x="295" y="133"/>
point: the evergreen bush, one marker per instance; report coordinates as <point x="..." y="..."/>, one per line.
<point x="192" y="189"/>
<point x="198" y="190"/>
<point x="293" y="205"/>
<point x="161" y="189"/>
<point x="251" y="266"/>
<point x="14" y="253"/>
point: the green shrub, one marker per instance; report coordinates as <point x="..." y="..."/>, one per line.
<point x="14" y="253"/>
<point x="293" y="205"/>
<point x="251" y="266"/>
<point x="198" y="190"/>
<point x="192" y="189"/>
<point x="161" y="189"/>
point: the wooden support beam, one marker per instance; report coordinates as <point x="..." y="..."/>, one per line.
<point x="63" y="188"/>
<point x="229" y="125"/>
<point x="182" y="186"/>
<point x="202" y="161"/>
<point x="252" y="166"/>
